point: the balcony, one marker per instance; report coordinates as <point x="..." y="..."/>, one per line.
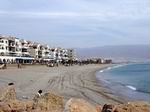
<point x="25" y="53"/>
<point x="12" y="51"/>
<point x="24" y="50"/>
<point x="12" y="45"/>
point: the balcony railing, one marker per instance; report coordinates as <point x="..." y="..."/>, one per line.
<point x="12" y="45"/>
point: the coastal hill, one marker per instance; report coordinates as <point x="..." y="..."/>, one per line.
<point x="120" y="53"/>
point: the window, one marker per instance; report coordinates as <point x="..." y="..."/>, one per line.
<point x="2" y="54"/>
<point x="17" y="44"/>
<point x="1" y="41"/>
<point x="1" y="47"/>
<point x="6" y="42"/>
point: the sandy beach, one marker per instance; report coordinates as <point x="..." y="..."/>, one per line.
<point x="75" y="81"/>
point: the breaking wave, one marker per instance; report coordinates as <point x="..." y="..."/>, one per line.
<point x="131" y="87"/>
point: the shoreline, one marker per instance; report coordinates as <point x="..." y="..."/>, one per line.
<point x="69" y="82"/>
<point x="118" y="98"/>
<point x="104" y="91"/>
<point x="127" y="87"/>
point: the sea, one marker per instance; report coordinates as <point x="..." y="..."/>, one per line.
<point x="131" y="81"/>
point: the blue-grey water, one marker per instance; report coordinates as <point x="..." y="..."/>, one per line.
<point x="131" y="81"/>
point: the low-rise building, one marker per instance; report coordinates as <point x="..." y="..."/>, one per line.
<point x="33" y="50"/>
<point x="71" y="54"/>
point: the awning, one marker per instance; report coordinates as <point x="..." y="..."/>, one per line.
<point x="25" y="58"/>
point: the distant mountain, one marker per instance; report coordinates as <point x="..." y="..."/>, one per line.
<point x="136" y="53"/>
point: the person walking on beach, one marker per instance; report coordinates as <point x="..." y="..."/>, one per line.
<point x="5" y="64"/>
<point x="18" y="64"/>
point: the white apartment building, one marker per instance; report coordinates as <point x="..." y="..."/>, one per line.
<point x="15" y="47"/>
<point x="36" y="50"/>
<point x="46" y="52"/>
<point x="71" y="54"/>
<point x="64" y="54"/>
<point x="25" y="48"/>
<point x="4" y="49"/>
<point x="44" y="49"/>
<point x="18" y="46"/>
<point x="11" y="46"/>
<point x="54" y="53"/>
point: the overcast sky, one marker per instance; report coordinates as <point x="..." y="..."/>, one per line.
<point x="77" y="23"/>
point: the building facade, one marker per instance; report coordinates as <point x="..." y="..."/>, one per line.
<point x="4" y="49"/>
<point x="15" y="47"/>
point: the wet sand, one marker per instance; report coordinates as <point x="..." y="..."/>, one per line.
<point x="75" y="81"/>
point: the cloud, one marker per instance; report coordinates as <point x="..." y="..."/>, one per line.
<point x="97" y="9"/>
<point x="46" y="14"/>
<point x="101" y="15"/>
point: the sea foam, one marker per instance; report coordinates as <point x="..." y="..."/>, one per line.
<point x="131" y="87"/>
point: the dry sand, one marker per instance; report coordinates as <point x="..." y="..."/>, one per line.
<point x="75" y="81"/>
